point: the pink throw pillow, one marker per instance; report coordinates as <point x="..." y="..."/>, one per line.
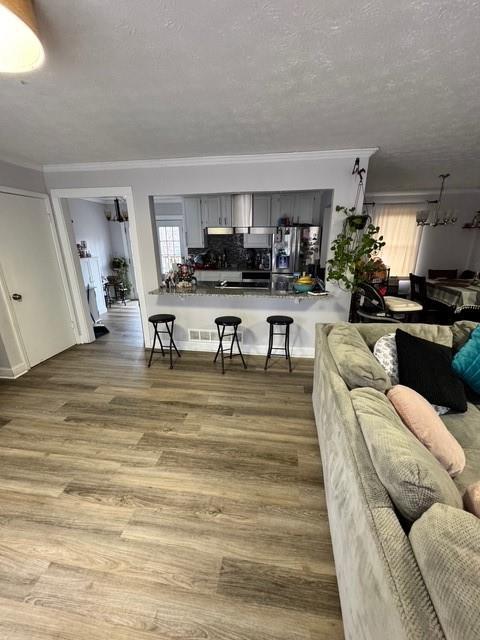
<point x="471" y="499"/>
<point x="420" y="417"/>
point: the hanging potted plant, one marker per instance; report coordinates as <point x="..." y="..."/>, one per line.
<point x="354" y="254"/>
<point x="356" y="221"/>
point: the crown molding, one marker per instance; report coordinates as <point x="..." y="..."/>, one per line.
<point x="210" y="160"/>
<point x="420" y="194"/>
<point x="21" y="163"/>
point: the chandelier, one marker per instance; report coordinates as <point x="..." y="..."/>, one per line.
<point x="434" y="215"/>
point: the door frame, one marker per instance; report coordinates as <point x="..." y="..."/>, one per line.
<point x="23" y="366"/>
<point x="82" y="313"/>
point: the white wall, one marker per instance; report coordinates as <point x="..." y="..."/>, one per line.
<point x="279" y="172"/>
<point x="450" y="247"/>
<point x="90" y="224"/>
<point x="16" y="177"/>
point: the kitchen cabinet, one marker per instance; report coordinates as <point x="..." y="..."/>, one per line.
<point x="216" y="211"/>
<point x="193" y="223"/>
<point x="303" y="208"/>
<point x="92" y="277"/>
<point x="261" y="218"/>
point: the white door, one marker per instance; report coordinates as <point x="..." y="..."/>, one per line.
<point x="31" y="269"/>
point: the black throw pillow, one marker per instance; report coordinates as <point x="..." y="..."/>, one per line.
<point x="426" y="367"/>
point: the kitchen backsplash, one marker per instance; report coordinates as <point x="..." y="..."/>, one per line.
<point x="232" y="246"/>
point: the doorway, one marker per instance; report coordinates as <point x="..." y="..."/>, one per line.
<point x="98" y="235"/>
<point x="39" y="322"/>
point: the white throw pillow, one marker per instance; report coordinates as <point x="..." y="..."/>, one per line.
<point x="385" y="351"/>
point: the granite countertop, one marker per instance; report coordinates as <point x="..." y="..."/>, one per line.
<point x="206" y="290"/>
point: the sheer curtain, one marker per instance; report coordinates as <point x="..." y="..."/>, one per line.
<point x="398" y="226"/>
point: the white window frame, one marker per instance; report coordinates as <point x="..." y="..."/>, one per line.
<point x="170" y="221"/>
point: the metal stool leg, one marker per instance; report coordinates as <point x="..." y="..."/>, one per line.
<point x="172" y="341"/>
<point x="287" y="347"/>
<point x="235" y="337"/>
<point x="270" y="343"/>
<point x="153" y="345"/>
<point x="220" y="347"/>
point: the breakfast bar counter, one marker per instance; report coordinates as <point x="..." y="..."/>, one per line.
<point x="195" y="311"/>
<point x="237" y="292"/>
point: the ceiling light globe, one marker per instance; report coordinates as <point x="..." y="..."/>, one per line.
<point x="20" y="46"/>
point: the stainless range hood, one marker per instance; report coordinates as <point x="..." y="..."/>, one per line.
<point x="242" y="216"/>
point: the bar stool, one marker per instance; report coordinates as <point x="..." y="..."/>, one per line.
<point x="224" y="322"/>
<point x="168" y="319"/>
<point x="279" y="321"/>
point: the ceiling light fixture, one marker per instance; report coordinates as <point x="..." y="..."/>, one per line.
<point x="433" y="216"/>
<point x="20" y="46"/>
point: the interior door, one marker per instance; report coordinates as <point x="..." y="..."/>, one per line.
<point x="31" y="269"/>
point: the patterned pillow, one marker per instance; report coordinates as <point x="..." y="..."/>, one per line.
<point x="385" y="351"/>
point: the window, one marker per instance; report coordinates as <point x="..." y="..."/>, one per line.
<point x="398" y="226"/>
<point x="171" y="243"/>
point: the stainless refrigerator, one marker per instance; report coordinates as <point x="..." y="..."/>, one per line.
<point x="294" y="250"/>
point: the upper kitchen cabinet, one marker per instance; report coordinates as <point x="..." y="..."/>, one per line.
<point x="216" y="211"/>
<point x="301" y="207"/>
<point x="193" y="223"/>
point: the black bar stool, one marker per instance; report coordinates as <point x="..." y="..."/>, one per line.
<point x="224" y="322"/>
<point x="279" y="321"/>
<point x="168" y="319"/>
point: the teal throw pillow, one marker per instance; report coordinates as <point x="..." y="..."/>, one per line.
<point x="466" y="362"/>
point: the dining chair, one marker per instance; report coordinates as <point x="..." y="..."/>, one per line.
<point x="448" y="274"/>
<point x="467" y="275"/>
<point x="433" y="312"/>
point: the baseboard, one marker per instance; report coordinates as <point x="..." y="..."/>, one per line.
<point x="247" y="349"/>
<point x="13" y="373"/>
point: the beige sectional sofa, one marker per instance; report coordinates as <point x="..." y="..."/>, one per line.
<point x="390" y="588"/>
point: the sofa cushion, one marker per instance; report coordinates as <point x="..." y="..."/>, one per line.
<point x="420" y="417"/>
<point x="355" y="362"/>
<point x="471" y="499"/>
<point x="427" y="368"/>
<point x="466" y="362"/>
<point x="465" y="427"/>
<point x="446" y="544"/>
<point x="412" y="476"/>
<point x="439" y="334"/>
<point x="461" y="331"/>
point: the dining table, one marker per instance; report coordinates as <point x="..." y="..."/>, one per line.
<point x="457" y="294"/>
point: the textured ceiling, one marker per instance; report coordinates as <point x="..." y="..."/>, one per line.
<point x="142" y="79"/>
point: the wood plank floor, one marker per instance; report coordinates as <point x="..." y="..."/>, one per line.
<point x="140" y="503"/>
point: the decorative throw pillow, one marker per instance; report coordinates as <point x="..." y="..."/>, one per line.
<point x="446" y="544"/>
<point x="413" y="478"/>
<point x="355" y="362"/>
<point x="471" y="499"/>
<point x="424" y="423"/>
<point x="427" y="368"/>
<point x="385" y="351"/>
<point x="466" y="362"/>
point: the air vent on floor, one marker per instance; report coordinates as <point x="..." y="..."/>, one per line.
<point x="207" y="335"/>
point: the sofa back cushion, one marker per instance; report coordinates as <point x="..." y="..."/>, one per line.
<point x="440" y="334"/>
<point x="461" y="331"/>
<point x="412" y="476"/>
<point x="355" y="362"/>
<point x="446" y="544"/>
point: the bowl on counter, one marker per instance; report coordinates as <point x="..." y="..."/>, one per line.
<point x="302" y="288"/>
